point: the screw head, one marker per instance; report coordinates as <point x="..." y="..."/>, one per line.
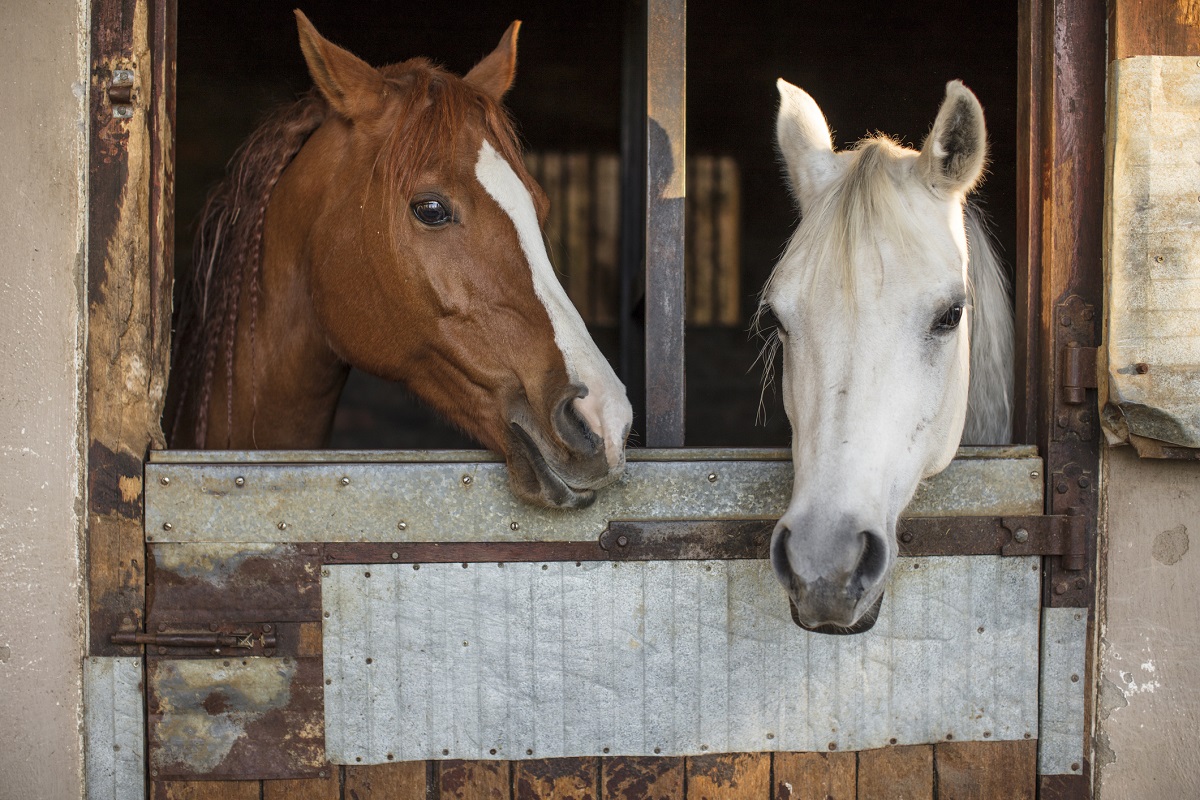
<point x="167" y="526"/>
<point x="239" y="481"/>
<point x="403" y="526"/>
<point x="164" y="480"/>
<point x="282" y="526"/>
<point x="395" y="556"/>
<point x="467" y="480"/>
<point x="345" y="481"/>
<point x="1021" y="535"/>
<point x="516" y="526"/>
<point x="712" y="477"/>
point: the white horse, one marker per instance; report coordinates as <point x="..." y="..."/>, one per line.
<point x="866" y="303"/>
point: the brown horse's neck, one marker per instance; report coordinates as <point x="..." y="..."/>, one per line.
<point x="285" y="378"/>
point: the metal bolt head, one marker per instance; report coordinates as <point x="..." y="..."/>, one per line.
<point x="164" y="480"/>
<point x="1062" y="487"/>
<point x="1060" y="588"/>
<point x="1084" y="482"/>
<point x="1021" y="535"/>
<point x="282" y="526"/>
<point x="906" y="536"/>
<point x="516" y="526"/>
<point x="712" y="477"/>
<point x="239" y="481"/>
<point x="267" y="628"/>
<point x="467" y="480"/>
<point x="395" y="556"/>
<point x="1080" y="583"/>
<point x="212" y="626"/>
<point x="403" y="526"/>
<point x="1065" y="320"/>
<point x="622" y="540"/>
<point x="167" y="526"/>
<point x="1035" y="474"/>
<point x="1075" y="767"/>
<point x="345" y="481"/>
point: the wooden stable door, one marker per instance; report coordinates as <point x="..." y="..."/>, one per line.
<point x="157" y="623"/>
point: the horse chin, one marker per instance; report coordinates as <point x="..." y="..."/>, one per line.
<point x="862" y="625"/>
<point x="535" y="480"/>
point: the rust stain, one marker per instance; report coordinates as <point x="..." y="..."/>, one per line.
<point x="110" y="478"/>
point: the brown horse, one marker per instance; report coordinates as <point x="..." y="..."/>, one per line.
<point x="386" y="221"/>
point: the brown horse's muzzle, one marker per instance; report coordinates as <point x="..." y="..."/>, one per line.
<point x="558" y="462"/>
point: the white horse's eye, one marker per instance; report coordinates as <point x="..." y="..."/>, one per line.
<point x="766" y="320"/>
<point x="949" y="321"/>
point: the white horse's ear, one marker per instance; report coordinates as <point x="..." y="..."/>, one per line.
<point x="805" y="143"/>
<point x="953" y="155"/>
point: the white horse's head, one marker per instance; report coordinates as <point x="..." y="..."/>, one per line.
<point x="867" y="303"/>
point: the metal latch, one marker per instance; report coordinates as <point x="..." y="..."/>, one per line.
<point x="229" y="639"/>
<point x="1063" y="535"/>
<point x="120" y="93"/>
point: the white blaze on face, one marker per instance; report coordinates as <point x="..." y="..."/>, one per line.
<point x="606" y="409"/>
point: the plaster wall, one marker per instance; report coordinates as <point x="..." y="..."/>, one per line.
<point x="1148" y="711"/>
<point x="43" y="163"/>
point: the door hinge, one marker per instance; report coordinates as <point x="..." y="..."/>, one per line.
<point x="120" y="92"/>
<point x="217" y="640"/>
<point x="1079" y="372"/>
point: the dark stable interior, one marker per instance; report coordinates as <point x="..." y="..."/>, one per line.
<point x="871" y="66"/>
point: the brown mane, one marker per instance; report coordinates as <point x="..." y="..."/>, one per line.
<point x="434" y="107"/>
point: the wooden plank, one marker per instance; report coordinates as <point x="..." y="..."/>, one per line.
<point x="986" y="770"/>
<point x="642" y="778"/>
<point x="815" y="776"/>
<point x="327" y="788"/>
<point x="206" y="790"/>
<point x="729" y="242"/>
<point x="733" y="776"/>
<point x="896" y="773"/>
<point x="399" y="781"/>
<point x="606" y="241"/>
<point x="474" y="780"/>
<point x="577" y="252"/>
<point x="557" y="779"/>
<point x="1153" y="28"/>
<point x="701" y="240"/>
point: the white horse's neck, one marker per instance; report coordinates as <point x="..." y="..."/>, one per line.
<point x="989" y="398"/>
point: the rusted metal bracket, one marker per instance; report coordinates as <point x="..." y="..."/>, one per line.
<point x="1071" y="491"/>
<point x="1073" y="418"/>
<point x="218" y="639"/>
<point x="701" y="540"/>
<point x="120" y="92"/>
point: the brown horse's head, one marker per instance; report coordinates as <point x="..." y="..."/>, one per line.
<point x="424" y="261"/>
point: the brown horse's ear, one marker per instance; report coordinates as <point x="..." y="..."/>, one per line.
<point x="352" y="86"/>
<point x="494" y="75"/>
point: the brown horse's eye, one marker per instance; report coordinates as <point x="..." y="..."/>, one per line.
<point x="431" y="212"/>
<point x="949" y="321"/>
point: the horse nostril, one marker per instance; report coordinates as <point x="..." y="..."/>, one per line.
<point x="779" y="556"/>
<point x="872" y="562"/>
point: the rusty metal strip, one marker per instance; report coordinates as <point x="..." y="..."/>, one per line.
<point x="723" y="540"/>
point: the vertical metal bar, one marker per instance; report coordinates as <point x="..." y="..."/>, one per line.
<point x="633" y="207"/>
<point x="666" y="133"/>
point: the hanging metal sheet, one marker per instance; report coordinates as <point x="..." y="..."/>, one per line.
<point x="115" y="724"/>
<point x="673" y="658"/>
<point x="1150" y="374"/>
<point x="1063" y="686"/>
<point x="336" y="499"/>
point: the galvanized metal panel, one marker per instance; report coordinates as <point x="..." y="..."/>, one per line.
<point x="1150" y="383"/>
<point x="1063" y="688"/>
<point x="597" y="658"/>
<point x="114" y="720"/>
<point x="235" y="718"/>
<point x="470" y="501"/>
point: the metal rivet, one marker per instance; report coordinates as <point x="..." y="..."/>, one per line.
<point x="987" y="734"/>
<point x="267" y="628"/>
<point x="770" y="736"/>
<point x="949" y="737"/>
<point x="657" y="750"/>
<point x="212" y="626"/>
<point x="165" y="481"/>
<point x="1078" y="617"/>
<point x="464" y="565"/>
<point x="1080" y="583"/>
<point x="416" y="566"/>
<point x="516" y="526"/>
<point x="1062" y="420"/>
<point x="892" y="740"/>
<point x="395" y="556"/>
<point x="906" y="536"/>
<point x="321" y="774"/>
<point x="622" y="540"/>
<point x="345" y="481"/>
<point x="358" y="758"/>
<point x="703" y="747"/>
<point x="979" y="629"/>
<point x="1074" y="679"/>
<point x="366" y="574"/>
<point x="239" y="481"/>
<point x="1035" y="474"/>
<point x="167" y="526"/>
<point x="1060" y="588"/>
<point x="216" y="651"/>
<point x="154" y="772"/>
<point x="712" y="477"/>
<point x="126" y="622"/>
<point x="326" y="615"/>
<point x="465" y="644"/>
<point x="370" y="661"/>
<point x="328" y="681"/>
<point x="402" y="526"/>
<point x="390" y="756"/>
<point x="282" y="526"/>
<point x="529" y="751"/>
<point x="833" y="745"/>
<point x="467" y="479"/>
<point x="445" y="752"/>
<point x="545" y="566"/>
<point x="1084" y="482"/>
<point x="162" y="628"/>
<point x="1021" y="535"/>
<point x="1065" y="320"/>
<point x="116" y="748"/>
<point x="1075" y="767"/>
<point x="1141" y="368"/>
<point x="492" y="751"/>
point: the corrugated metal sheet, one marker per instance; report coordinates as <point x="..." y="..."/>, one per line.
<point x="1064" y="681"/>
<point x="673" y="658"/>
<point x="1150" y="362"/>
<point x="115" y="724"/>
<point x="471" y="501"/>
